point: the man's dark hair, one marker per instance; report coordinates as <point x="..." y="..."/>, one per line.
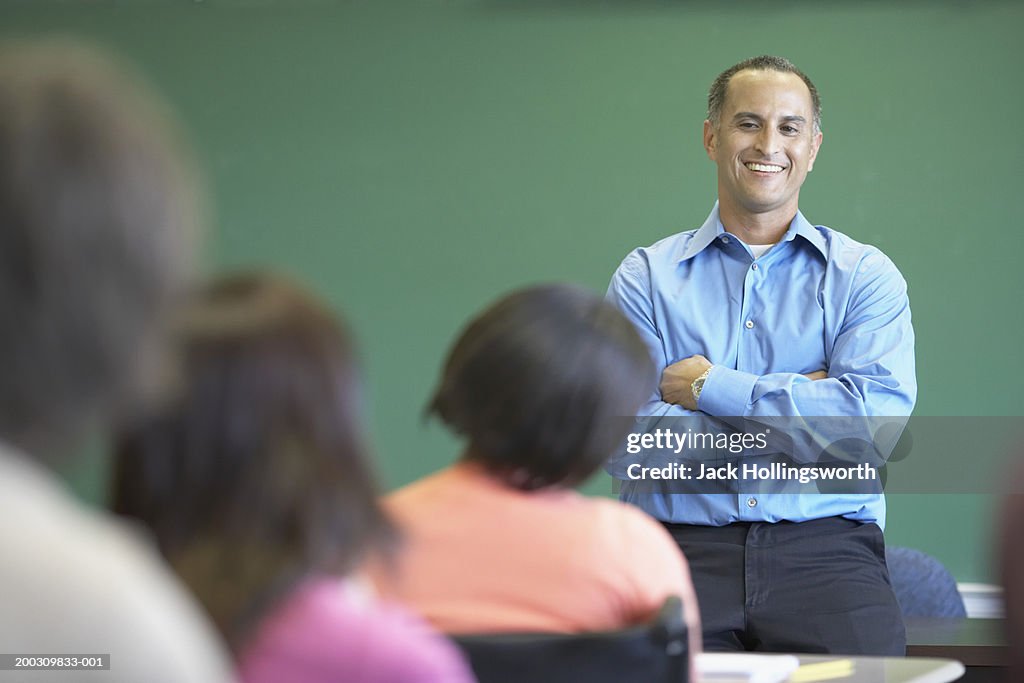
<point x="540" y="382"/>
<point x="96" y="209"/>
<point x="719" y="89"/>
<point x="256" y="474"/>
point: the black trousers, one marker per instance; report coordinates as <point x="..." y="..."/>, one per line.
<point x="814" y="587"/>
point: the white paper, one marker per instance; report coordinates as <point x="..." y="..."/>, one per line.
<point x="728" y="667"/>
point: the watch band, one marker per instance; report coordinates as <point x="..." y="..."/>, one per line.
<point x="698" y="384"/>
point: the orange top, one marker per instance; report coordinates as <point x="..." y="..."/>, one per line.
<point x="480" y="556"/>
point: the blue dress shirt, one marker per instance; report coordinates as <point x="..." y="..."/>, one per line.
<point x="817" y="300"/>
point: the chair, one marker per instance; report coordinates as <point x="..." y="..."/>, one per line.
<point x="923" y="586"/>
<point x="655" y="652"/>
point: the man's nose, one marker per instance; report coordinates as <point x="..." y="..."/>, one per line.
<point x="767" y="142"/>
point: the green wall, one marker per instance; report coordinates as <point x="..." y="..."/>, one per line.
<point x="411" y="160"/>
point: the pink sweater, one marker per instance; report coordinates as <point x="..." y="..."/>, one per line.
<point x="329" y="630"/>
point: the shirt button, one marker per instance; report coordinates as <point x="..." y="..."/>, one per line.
<point x="749" y="324"/>
<point x="753" y="267"/>
<point x="751" y="502"/>
<point x="725" y="240"/>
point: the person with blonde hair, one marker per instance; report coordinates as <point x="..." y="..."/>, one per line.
<point x="98" y="208"/>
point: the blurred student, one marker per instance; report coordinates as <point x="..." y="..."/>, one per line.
<point x="256" y="483"/>
<point x="1011" y="563"/>
<point x="538" y="385"/>
<point x="96" y="211"/>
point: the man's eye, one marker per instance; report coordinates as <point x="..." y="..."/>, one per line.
<point x="790" y="130"/>
<point x="748" y="124"/>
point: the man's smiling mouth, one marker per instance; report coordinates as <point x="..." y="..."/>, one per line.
<point x="763" y="168"/>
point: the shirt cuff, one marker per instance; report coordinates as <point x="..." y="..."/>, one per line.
<point x="727" y="392"/>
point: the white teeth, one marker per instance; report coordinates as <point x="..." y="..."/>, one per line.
<point x="764" y="168"/>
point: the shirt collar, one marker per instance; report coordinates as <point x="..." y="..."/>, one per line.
<point x="712" y="228"/>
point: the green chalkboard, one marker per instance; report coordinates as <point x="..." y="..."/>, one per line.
<point x="413" y="159"/>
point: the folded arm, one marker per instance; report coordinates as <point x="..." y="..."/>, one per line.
<point x="870" y="369"/>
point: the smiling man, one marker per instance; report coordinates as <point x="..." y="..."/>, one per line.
<point x="759" y="314"/>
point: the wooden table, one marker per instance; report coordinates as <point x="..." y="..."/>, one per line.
<point x="978" y="643"/>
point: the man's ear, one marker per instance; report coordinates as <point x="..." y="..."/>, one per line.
<point x="710" y="139"/>
<point x="815" y="146"/>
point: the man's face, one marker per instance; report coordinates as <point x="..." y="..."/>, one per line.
<point x="764" y="143"/>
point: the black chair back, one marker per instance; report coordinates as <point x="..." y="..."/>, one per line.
<point x="655" y="652"/>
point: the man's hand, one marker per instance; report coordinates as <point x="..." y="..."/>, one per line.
<point x="816" y="375"/>
<point x="677" y="381"/>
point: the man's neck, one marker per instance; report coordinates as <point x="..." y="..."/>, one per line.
<point x="757" y="228"/>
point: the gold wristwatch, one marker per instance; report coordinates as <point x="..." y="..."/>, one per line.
<point x="698" y="384"/>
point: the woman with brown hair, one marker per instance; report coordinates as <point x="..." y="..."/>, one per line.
<point x="543" y="386"/>
<point x="256" y="483"/>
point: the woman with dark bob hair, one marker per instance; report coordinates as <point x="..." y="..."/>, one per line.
<point x="256" y="483"/>
<point x="539" y="385"/>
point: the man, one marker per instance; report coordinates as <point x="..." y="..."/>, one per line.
<point x="96" y="207"/>
<point x="759" y="315"/>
